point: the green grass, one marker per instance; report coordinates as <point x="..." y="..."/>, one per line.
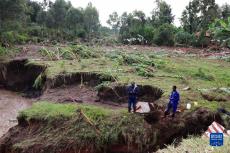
<point x="7" y="52"/>
<point x="197" y="73"/>
<point x="197" y="145"/>
<point x="49" y="110"/>
<point x="110" y="123"/>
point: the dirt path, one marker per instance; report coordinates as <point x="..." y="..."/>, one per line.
<point x="10" y="104"/>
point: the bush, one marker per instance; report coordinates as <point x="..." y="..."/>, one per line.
<point x="3" y="51"/>
<point x="12" y="37"/>
<point x="164" y="35"/>
<point x="143" y="70"/>
<point x="84" y="51"/>
<point x="149" y="34"/>
<point x="35" y="31"/>
<point x="184" y="38"/>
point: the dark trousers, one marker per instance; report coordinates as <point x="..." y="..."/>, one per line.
<point x="132" y="103"/>
<point x="170" y="106"/>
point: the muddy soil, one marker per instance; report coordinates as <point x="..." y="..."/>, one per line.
<point x="16" y="75"/>
<point x="77" y="94"/>
<point x="10" y="104"/>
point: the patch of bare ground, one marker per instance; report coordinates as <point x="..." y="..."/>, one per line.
<point x="32" y="51"/>
<point x="201" y="52"/>
<point x="77" y="94"/>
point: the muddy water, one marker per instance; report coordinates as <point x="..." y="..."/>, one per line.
<point x="10" y="104"/>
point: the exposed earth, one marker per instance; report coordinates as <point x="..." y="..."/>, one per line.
<point x="33" y="77"/>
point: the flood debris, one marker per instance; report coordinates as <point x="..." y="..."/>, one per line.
<point x="216" y="94"/>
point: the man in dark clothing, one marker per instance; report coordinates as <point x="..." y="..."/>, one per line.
<point x="133" y="91"/>
<point x="173" y="102"/>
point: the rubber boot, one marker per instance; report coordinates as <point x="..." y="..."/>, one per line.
<point x="129" y="109"/>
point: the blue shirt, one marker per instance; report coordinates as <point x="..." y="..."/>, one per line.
<point x="133" y="91"/>
<point x="175" y="97"/>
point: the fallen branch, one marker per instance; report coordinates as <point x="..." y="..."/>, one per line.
<point x="89" y="121"/>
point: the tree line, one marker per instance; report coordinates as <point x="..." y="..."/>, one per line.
<point x="22" y="19"/>
<point x="137" y="28"/>
<point x="26" y="20"/>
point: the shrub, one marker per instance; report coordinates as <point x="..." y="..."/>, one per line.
<point x="143" y="70"/>
<point x="184" y="38"/>
<point x="149" y="34"/>
<point x="3" y="51"/>
<point x="83" y="51"/>
<point x="35" y="31"/>
<point x="164" y="35"/>
<point x="12" y="37"/>
<point x="8" y="37"/>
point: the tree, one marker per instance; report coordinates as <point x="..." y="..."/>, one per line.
<point x="132" y="24"/>
<point x="33" y="9"/>
<point x="198" y="15"/>
<point x="12" y="10"/>
<point x="162" y="14"/>
<point x="190" y="19"/>
<point x="114" y="21"/>
<point x="209" y="12"/>
<point x="74" y="18"/>
<point x="74" y="22"/>
<point x="225" y="11"/>
<point x="58" y="12"/>
<point x="91" y="19"/>
<point x="164" y="35"/>
<point x="140" y="15"/>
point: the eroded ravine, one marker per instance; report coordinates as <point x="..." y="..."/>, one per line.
<point x="10" y="104"/>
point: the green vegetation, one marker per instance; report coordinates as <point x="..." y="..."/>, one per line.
<point x="197" y="145"/>
<point x="50" y="111"/>
<point x="185" y="38"/>
<point x="27" y="21"/>
<point x="96" y="127"/>
<point x="59" y="21"/>
<point x="154" y="69"/>
<point x="164" y="35"/>
<point x="7" y="52"/>
<point x="24" y="21"/>
<point x="221" y="31"/>
<point x="69" y="53"/>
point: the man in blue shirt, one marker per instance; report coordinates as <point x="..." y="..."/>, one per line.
<point x="173" y="102"/>
<point x="133" y="91"/>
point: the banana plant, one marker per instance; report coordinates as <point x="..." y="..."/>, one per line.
<point x="221" y="30"/>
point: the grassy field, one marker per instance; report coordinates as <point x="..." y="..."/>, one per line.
<point x="197" y="145"/>
<point x="145" y="67"/>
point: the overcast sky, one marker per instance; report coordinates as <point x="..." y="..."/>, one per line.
<point x="106" y="7"/>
